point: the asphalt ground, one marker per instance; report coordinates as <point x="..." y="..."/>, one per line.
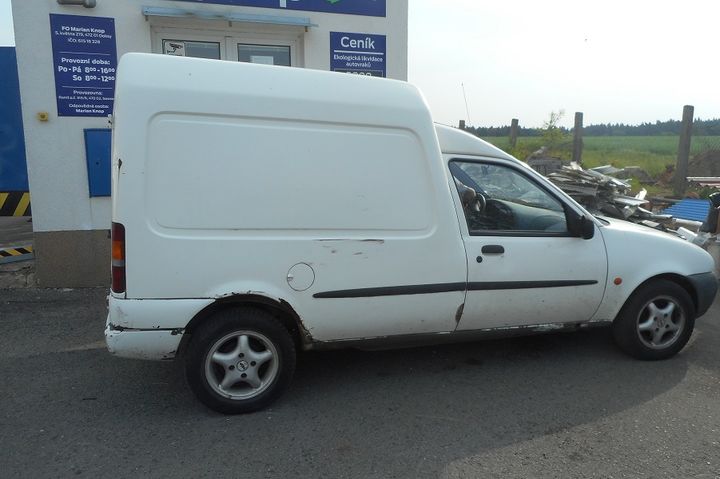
<point x="15" y="231"/>
<point x="556" y="406"/>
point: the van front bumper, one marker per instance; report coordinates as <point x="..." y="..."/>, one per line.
<point x="151" y="344"/>
<point x="706" y="286"/>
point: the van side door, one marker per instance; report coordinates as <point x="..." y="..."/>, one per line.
<point x="524" y="267"/>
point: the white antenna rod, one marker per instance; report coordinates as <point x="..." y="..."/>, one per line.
<point x="467" y="110"/>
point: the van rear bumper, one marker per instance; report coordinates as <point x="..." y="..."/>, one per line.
<point x="151" y="344"/>
<point x="148" y="328"/>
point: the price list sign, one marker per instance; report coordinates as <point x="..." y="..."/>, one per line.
<point x="358" y="53"/>
<point x="85" y="63"/>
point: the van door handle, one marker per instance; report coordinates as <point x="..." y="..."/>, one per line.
<point x="493" y="249"/>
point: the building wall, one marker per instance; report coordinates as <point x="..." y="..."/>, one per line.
<point x="70" y="227"/>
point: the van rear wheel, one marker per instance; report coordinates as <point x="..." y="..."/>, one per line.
<point x="656" y="322"/>
<point x="240" y="361"/>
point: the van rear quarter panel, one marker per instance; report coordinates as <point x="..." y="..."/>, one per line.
<point x="227" y="175"/>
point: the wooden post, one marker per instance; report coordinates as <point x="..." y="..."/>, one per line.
<point x="683" y="156"/>
<point x="577" y="138"/>
<point x="462" y="125"/>
<point x="514" y="132"/>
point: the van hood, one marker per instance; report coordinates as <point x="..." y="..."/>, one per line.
<point x="634" y="228"/>
<point x="653" y="249"/>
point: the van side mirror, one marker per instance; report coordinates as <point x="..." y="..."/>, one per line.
<point x="580" y="226"/>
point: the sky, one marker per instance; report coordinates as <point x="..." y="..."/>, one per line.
<point x="617" y="61"/>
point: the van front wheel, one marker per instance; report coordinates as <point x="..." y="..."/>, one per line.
<point x="656" y="322"/>
<point x="240" y="361"/>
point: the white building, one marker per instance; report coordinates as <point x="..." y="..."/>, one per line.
<point x="67" y="54"/>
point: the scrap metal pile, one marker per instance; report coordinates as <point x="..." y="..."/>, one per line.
<point x="604" y="194"/>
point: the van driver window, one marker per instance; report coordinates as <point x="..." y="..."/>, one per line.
<point x="497" y="198"/>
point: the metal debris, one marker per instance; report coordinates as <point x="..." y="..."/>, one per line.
<point x="604" y="194"/>
<point x="713" y="181"/>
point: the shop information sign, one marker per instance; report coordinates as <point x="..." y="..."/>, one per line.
<point x="85" y="62"/>
<point x="371" y="8"/>
<point x="358" y="53"/>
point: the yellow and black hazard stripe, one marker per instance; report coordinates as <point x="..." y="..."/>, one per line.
<point x="15" y="203"/>
<point x="16" y="253"/>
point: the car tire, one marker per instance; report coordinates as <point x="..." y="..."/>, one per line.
<point x="656" y="322"/>
<point x="240" y="360"/>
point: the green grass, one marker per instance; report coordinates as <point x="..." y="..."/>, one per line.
<point x="650" y="153"/>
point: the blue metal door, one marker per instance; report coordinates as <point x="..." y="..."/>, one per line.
<point x="14" y="197"/>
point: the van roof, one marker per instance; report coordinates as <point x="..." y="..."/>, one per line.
<point x="282" y="92"/>
<point x="234" y="88"/>
<point x="458" y="142"/>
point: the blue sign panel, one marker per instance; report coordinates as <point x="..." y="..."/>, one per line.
<point x="85" y="62"/>
<point x="371" y="8"/>
<point x="358" y="53"/>
<point x="13" y="168"/>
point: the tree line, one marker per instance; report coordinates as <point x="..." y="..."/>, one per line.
<point x="659" y="128"/>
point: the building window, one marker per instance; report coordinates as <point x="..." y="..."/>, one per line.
<point x="185" y="48"/>
<point x="265" y="54"/>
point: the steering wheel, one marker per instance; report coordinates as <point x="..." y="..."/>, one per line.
<point x="501" y="215"/>
<point x="479" y="203"/>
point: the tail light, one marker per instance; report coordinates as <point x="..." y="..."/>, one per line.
<point x="117" y="233"/>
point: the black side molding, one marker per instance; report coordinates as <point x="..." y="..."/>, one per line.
<point x="495" y="285"/>
<point x="392" y="291"/>
<point x="447" y="287"/>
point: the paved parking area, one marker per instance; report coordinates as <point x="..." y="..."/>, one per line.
<point x="567" y="405"/>
<point x="15" y="231"/>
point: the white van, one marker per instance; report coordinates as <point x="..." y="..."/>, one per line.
<point x="262" y="210"/>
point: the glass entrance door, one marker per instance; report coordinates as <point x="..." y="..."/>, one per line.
<point x="281" y="49"/>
